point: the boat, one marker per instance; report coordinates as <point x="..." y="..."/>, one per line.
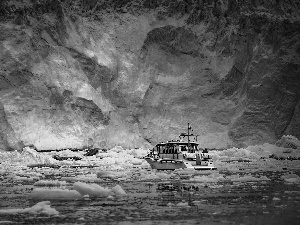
<point x="180" y="154"/>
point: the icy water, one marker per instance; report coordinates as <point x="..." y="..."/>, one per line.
<point x="172" y="201"/>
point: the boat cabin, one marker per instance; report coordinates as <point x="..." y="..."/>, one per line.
<point x="175" y="149"/>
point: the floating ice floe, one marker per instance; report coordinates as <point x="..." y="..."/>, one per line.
<point x="94" y="190"/>
<point x="55" y="193"/>
<point x="43" y="208"/>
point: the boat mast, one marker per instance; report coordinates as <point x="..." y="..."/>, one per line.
<point x="189" y="128"/>
<point x="188" y="134"/>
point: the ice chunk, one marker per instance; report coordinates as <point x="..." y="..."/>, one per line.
<point x="93" y="190"/>
<point x="55" y="193"/>
<point x="40" y="208"/>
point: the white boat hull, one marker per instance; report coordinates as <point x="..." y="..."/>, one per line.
<point x="167" y="164"/>
<point x="173" y="164"/>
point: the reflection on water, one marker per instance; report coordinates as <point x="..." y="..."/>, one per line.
<point x="169" y="202"/>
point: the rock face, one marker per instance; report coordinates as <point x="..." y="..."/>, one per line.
<point x="134" y="73"/>
<point x="8" y="140"/>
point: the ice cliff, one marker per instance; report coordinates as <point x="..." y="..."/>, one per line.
<point x="132" y="73"/>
